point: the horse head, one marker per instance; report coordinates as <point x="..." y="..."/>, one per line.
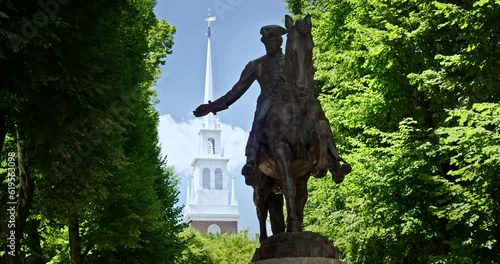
<point x="299" y="65"/>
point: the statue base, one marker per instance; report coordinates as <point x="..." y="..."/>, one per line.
<point x="310" y="260"/>
<point x="296" y="247"/>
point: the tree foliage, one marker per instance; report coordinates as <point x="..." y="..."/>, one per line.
<point x="412" y="92"/>
<point x="218" y="248"/>
<point x="76" y="101"/>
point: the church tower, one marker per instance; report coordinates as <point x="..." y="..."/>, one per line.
<point x="210" y="206"/>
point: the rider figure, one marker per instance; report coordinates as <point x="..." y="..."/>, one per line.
<point x="268" y="70"/>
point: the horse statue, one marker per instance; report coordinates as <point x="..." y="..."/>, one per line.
<point x="299" y="139"/>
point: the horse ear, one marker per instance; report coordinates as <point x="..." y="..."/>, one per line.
<point x="288" y="22"/>
<point x="308" y="20"/>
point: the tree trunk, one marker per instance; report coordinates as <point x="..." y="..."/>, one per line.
<point x="26" y="188"/>
<point x="75" y="255"/>
<point x="25" y="198"/>
<point x="3" y="133"/>
<point x="34" y="242"/>
<point x="426" y="107"/>
<point x="4" y="230"/>
<point x="443" y="247"/>
<point x="403" y="260"/>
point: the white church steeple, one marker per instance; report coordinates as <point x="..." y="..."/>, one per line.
<point x="211" y="205"/>
<point x="210" y="120"/>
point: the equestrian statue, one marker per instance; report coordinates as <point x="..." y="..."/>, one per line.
<point x="291" y="137"/>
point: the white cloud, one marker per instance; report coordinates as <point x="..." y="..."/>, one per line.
<point x="179" y="142"/>
<point x="234" y="140"/>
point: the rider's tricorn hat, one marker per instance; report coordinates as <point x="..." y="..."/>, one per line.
<point x="272" y="31"/>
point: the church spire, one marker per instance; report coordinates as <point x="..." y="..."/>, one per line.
<point x="209" y="203"/>
<point x="210" y="120"/>
<point x="209" y="19"/>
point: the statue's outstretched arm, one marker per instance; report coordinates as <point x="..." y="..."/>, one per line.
<point x="247" y="77"/>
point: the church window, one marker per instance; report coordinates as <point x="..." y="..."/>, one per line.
<point x="218" y="179"/>
<point x="206" y="178"/>
<point x="215" y="229"/>
<point x="211" y="146"/>
<point x="209" y="149"/>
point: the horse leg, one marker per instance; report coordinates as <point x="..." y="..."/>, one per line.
<point x="284" y="152"/>
<point x="301" y="198"/>
<point x="276" y="213"/>
<point x="261" y="192"/>
<point x="338" y="172"/>
<point x="323" y="132"/>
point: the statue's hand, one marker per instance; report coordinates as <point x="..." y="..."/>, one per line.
<point x="202" y="110"/>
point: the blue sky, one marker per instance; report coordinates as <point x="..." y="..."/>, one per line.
<point x="235" y="42"/>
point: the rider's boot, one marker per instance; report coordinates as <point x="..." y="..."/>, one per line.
<point x="249" y="170"/>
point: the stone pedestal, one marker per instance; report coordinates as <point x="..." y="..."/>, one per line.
<point x="299" y="261"/>
<point x="296" y="248"/>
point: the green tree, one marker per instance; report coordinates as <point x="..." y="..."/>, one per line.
<point x="77" y="107"/>
<point x="389" y="72"/>
<point x="471" y="140"/>
<point x="218" y="248"/>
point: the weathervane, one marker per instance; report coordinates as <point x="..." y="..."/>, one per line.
<point x="209" y="19"/>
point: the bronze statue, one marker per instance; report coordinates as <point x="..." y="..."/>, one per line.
<point x="299" y="137"/>
<point x="268" y="70"/>
<point x="291" y="136"/>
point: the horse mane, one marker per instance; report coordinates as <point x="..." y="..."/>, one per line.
<point x="299" y="43"/>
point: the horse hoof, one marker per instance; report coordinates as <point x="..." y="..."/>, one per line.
<point x="338" y="178"/>
<point x="317" y="176"/>
<point x="320" y="173"/>
<point x="346" y="168"/>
